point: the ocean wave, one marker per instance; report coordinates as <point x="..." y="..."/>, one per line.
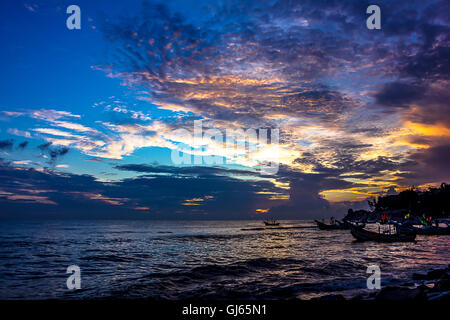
<point x="107" y="258"/>
<point x="260" y="278"/>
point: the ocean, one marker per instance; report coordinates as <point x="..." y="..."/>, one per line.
<point x="200" y="260"/>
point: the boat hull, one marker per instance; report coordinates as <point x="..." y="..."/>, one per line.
<point x="271" y="224"/>
<point x="361" y="234"/>
<point x="324" y="226"/>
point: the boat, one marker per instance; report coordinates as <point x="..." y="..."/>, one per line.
<point x="271" y="223"/>
<point x="362" y="234"/>
<point x="433" y="231"/>
<point x="343" y="224"/>
<point x="338" y="225"/>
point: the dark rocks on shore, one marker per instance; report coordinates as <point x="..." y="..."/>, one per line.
<point x="440" y="297"/>
<point x="431" y="275"/>
<point x="408" y="284"/>
<point x="442" y="285"/>
<point x="330" y="297"/>
<point x="400" y="294"/>
<point x="437" y="288"/>
<point x="431" y="286"/>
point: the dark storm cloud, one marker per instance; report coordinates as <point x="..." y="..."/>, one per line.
<point x="375" y="166"/>
<point x="44" y="146"/>
<point x="191" y="170"/>
<point x="161" y="193"/>
<point x="432" y="106"/>
<point x="432" y="56"/>
<point x="304" y="188"/>
<point x="304" y="195"/>
<point x="202" y="196"/>
<point x="399" y="94"/>
<point x="422" y="53"/>
<point x="427" y="166"/>
<point x="58" y="152"/>
<point x="22" y="145"/>
<point x="347" y="162"/>
<point x="6" y="144"/>
<point x="431" y="64"/>
<point x="438" y="158"/>
<point x="53" y="152"/>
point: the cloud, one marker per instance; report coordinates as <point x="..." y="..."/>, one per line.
<point x="12" y="113"/>
<point x="359" y="111"/>
<point x="329" y="87"/>
<point x="19" y="133"/>
<point x="428" y="166"/>
<point x="188" y="170"/>
<point x="216" y="196"/>
<point x="22" y="162"/>
<point x="31" y="7"/>
<point x="51" y="115"/>
<point x="22" y="145"/>
<point x="6" y="144"/>
<point x="54" y="153"/>
<point x="399" y="94"/>
<point x="223" y="72"/>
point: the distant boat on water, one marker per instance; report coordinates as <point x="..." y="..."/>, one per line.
<point x="334" y="225"/>
<point x="271" y="223"/>
<point x="361" y="234"/>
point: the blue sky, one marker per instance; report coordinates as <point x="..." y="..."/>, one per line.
<point x="359" y="111"/>
<point x="57" y="70"/>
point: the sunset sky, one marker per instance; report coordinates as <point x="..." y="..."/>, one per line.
<point x="88" y="118"/>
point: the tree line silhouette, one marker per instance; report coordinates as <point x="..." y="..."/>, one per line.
<point x="433" y="202"/>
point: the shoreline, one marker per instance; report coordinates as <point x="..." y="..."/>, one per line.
<point x="433" y="285"/>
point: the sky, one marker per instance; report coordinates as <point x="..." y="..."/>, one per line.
<point x="90" y="118"/>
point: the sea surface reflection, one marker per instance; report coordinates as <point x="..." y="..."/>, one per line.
<point x="209" y="260"/>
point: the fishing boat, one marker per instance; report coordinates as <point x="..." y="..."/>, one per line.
<point x="362" y="234"/>
<point x="271" y="223"/>
<point x="338" y="225"/>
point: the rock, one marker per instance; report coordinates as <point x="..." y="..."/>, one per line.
<point x="440" y="296"/>
<point x="419" y="276"/>
<point x="359" y="297"/>
<point x="436" y="274"/>
<point x="423" y="287"/>
<point x="330" y="297"/>
<point x="431" y="275"/>
<point x="442" y="285"/>
<point x="408" y="284"/>
<point x="401" y="294"/>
